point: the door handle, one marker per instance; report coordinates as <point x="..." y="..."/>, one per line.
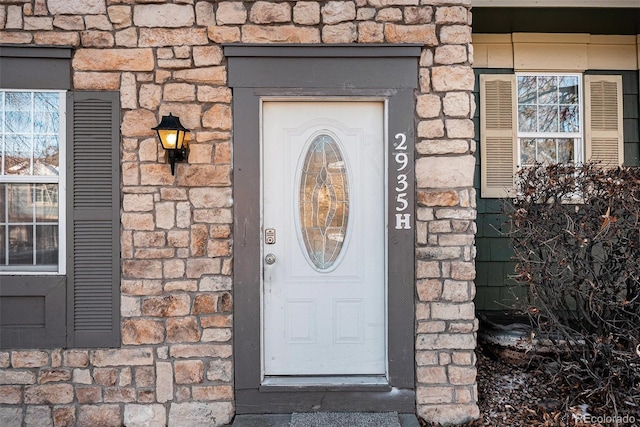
<point x="270" y="259"/>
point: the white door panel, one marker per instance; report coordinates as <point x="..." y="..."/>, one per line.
<point x="323" y="194"/>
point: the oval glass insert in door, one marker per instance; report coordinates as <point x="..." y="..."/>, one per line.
<point x="323" y="202"/>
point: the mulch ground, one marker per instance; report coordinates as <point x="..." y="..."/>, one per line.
<point x="526" y="396"/>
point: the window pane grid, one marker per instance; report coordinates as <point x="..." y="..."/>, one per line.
<point x="548" y="103"/>
<point x="29" y="225"/>
<point x="31" y="134"/>
<point x="549" y="118"/>
<point x="19" y="133"/>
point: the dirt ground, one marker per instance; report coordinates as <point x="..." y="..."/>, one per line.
<point x="513" y="396"/>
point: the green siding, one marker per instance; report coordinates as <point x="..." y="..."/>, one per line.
<point x="494" y="253"/>
<point x="556" y="20"/>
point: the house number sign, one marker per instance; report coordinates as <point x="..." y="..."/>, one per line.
<point x="401" y="159"/>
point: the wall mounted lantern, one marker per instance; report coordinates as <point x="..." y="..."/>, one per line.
<point x="171" y="134"/>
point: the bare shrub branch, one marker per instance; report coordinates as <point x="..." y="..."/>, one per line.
<point x="575" y="232"/>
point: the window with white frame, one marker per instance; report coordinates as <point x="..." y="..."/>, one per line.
<point x="528" y="118"/>
<point x="549" y="118"/>
<point x="32" y="136"/>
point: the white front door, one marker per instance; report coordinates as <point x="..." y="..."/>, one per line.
<point x="323" y="246"/>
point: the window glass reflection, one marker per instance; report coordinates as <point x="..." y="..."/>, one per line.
<point x="547" y="90"/>
<point x="20" y="245"/>
<point x="30" y="137"/>
<point x="3" y="223"/>
<point x="46" y="156"/>
<point x="546" y="150"/>
<point x="568" y="90"/>
<point x="46" y="244"/>
<point x="565" y="151"/>
<point x="20" y="201"/>
<point x="46" y="202"/>
<point x="547" y="119"/>
<point x="17" y="121"/>
<point x="527" y="90"/>
<point x="527" y="118"/>
<point x="3" y="233"/>
<point x="17" y="155"/>
<point x="32" y="219"/>
<point x="548" y="110"/>
<point x="3" y="203"/>
<point x="31" y="133"/>
<point x="527" y="151"/>
<point x="569" y="119"/>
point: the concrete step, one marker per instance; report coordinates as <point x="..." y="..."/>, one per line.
<point x="327" y="419"/>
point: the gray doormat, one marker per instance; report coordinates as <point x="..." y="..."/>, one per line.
<point x="345" y="419"/>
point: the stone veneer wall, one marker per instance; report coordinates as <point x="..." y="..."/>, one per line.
<point x="175" y="365"/>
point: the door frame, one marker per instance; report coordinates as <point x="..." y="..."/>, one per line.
<point x="382" y="72"/>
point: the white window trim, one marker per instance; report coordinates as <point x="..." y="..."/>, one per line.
<point x="62" y="193"/>
<point x="578" y="137"/>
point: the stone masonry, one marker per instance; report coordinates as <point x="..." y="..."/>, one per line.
<point x="175" y="364"/>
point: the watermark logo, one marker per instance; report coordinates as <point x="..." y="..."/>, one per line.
<point x="587" y="419"/>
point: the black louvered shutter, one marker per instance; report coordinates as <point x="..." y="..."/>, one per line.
<point x="93" y="206"/>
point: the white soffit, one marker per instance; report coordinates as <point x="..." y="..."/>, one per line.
<point x="556" y="3"/>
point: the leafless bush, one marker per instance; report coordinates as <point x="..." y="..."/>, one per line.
<point x="576" y="238"/>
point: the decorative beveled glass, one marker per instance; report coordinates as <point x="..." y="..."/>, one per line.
<point x="324" y="202"/>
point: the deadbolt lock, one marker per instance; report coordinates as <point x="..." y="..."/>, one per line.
<point x="270" y="236"/>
